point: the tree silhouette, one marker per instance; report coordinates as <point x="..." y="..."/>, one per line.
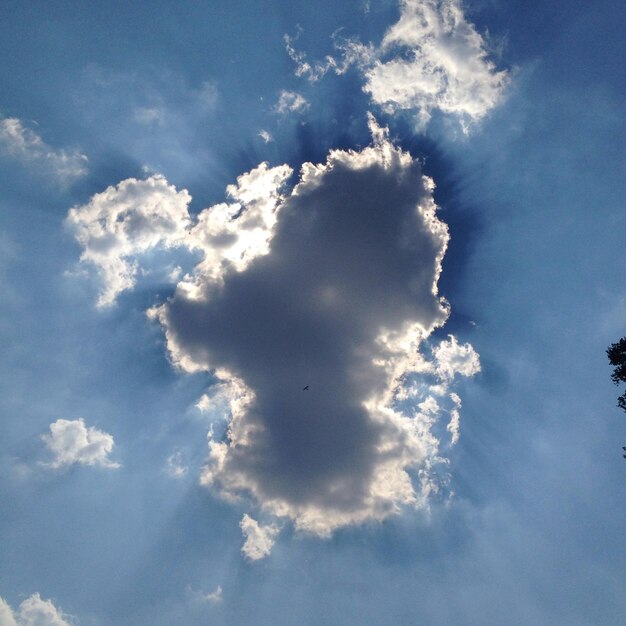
<point x="617" y="357"/>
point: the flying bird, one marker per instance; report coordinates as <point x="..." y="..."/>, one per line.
<point x="305" y="388"/>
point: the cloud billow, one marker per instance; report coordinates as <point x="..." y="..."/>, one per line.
<point x="431" y="59"/>
<point x="33" y="611"/>
<point x="330" y="286"/>
<point x="340" y="302"/>
<point x="72" y="442"/>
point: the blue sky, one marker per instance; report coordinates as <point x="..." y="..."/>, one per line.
<point x="175" y="272"/>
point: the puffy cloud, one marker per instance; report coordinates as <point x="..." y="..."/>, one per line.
<point x="342" y="299"/>
<point x="290" y="102"/>
<point x="231" y="235"/>
<point x="453" y="358"/>
<point x="259" y="539"/>
<point x="135" y="216"/>
<point x="72" y="442"/>
<point x="32" y="612"/>
<point x="331" y="286"/>
<point x="122" y="222"/>
<point x="431" y="59"/>
<point x="27" y="146"/>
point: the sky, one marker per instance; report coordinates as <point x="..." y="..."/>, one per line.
<point x="305" y="311"/>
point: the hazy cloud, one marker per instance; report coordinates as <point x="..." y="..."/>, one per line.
<point x="259" y="539"/>
<point x="32" y="612"/>
<point x="201" y="597"/>
<point x="290" y="102"/>
<point x="27" y="146"/>
<point x="175" y="465"/>
<point x="71" y="442"/>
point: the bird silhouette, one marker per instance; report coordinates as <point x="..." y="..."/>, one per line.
<point x="305" y="388"/>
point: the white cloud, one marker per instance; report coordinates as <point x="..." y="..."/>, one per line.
<point x="27" y="146"/>
<point x="351" y="52"/>
<point x="265" y="136"/>
<point x="6" y="614"/>
<point x="259" y="539"/>
<point x="127" y="220"/>
<point x="33" y="612"/>
<point x="445" y="66"/>
<point x="453" y="358"/>
<point x="72" y="442"/>
<point x="431" y="59"/>
<point x="290" y="102"/>
<point x="123" y="221"/>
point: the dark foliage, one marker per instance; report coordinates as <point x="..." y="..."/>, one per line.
<point x="617" y="357"/>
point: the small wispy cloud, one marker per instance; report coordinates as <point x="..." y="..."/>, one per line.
<point x="25" y="145"/>
<point x="175" y="465"/>
<point x="290" y="102"/>
<point x="71" y="441"/>
<point x="201" y="597"/>
<point x="149" y="115"/>
<point x="265" y="136"/>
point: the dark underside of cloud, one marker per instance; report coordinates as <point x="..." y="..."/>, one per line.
<point x="355" y="256"/>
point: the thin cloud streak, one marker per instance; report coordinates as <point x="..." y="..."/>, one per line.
<point x="25" y="145"/>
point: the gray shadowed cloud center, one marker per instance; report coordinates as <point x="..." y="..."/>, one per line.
<point x="352" y="256"/>
<point x="333" y="286"/>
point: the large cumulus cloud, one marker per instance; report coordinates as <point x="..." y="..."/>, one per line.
<point x="313" y="310"/>
<point x="340" y="302"/>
